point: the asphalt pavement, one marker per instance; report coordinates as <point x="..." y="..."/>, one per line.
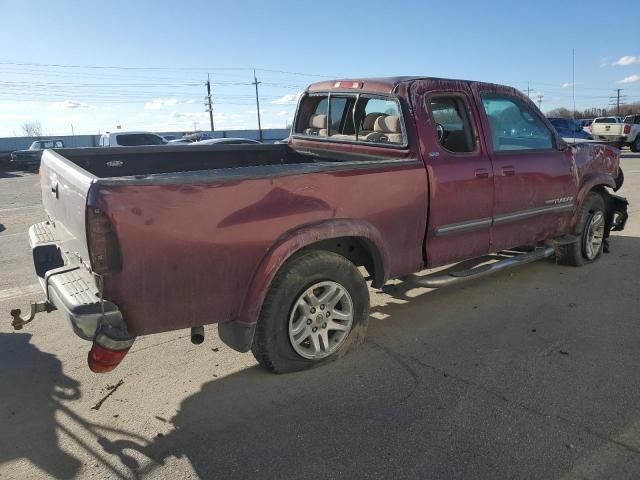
<point x="531" y="373"/>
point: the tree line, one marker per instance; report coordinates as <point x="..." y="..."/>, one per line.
<point x="627" y="109"/>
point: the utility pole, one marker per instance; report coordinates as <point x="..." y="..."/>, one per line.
<point x="256" y="83"/>
<point x="209" y="103"/>
<point x="72" y="132"/>
<point x="573" y="82"/>
<point x="528" y="91"/>
<point x="540" y="101"/>
<point x="617" y="100"/>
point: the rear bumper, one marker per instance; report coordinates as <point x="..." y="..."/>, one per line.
<point x="614" y="141"/>
<point x="70" y="288"/>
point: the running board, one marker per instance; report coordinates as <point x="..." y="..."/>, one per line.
<point x="437" y="280"/>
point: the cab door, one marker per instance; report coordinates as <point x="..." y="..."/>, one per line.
<point x="534" y="181"/>
<point x="459" y="171"/>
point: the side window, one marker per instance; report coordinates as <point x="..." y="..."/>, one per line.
<point x="312" y="116"/>
<point x="58" y="144"/>
<point x="514" y="126"/>
<point x="453" y="124"/>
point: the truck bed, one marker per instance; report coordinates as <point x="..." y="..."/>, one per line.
<point x="137" y="161"/>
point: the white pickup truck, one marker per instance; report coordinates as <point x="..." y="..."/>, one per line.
<point x="619" y="134"/>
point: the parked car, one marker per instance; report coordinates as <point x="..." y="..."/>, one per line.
<point x="620" y="134"/>
<point x="169" y="138"/>
<point x="180" y="141"/>
<point x="31" y="157"/>
<point x="569" y="128"/>
<point x="389" y="175"/>
<point x="227" y="141"/>
<point x="130" y="139"/>
<point x="586" y="124"/>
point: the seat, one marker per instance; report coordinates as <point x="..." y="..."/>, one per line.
<point x="317" y="125"/>
<point x="386" y="129"/>
<point x="368" y="123"/>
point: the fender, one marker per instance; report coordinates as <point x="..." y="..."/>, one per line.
<point x="589" y="182"/>
<point x="238" y="333"/>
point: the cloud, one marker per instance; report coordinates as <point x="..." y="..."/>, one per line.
<point x="71" y="104"/>
<point x="191" y="101"/>
<point x="568" y="85"/>
<point x="191" y="115"/>
<point x="159" y="103"/>
<point x="630" y="79"/>
<point x="282" y="113"/>
<point x="287" y="99"/>
<point x="627" y="60"/>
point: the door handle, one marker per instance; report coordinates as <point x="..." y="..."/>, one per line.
<point x="508" y="170"/>
<point x="55" y="188"/>
<point x="481" y="173"/>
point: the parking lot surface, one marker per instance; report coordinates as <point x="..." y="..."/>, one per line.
<point x="532" y="373"/>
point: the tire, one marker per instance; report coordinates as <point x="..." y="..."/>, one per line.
<point x="590" y="228"/>
<point x="284" y="338"/>
<point x="635" y="146"/>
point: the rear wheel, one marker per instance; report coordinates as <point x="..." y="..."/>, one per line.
<point x="317" y="306"/>
<point x="590" y="230"/>
<point x="635" y="146"/>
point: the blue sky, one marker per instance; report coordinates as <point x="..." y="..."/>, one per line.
<point x="167" y="48"/>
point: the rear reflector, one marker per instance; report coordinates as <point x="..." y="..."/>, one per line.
<point x="102" y="360"/>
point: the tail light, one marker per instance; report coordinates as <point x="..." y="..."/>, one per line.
<point x="104" y="250"/>
<point x="102" y="359"/>
<point x="627" y="128"/>
<point x="109" y="348"/>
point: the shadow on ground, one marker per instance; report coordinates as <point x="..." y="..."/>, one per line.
<point x="527" y="374"/>
<point x="33" y="386"/>
<point x="531" y="373"/>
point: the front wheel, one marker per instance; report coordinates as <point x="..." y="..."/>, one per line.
<point x="316" y="307"/>
<point x="590" y="230"/>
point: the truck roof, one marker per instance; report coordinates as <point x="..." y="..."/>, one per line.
<point x="382" y="84"/>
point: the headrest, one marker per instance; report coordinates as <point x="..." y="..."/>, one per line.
<point x="370" y="120"/>
<point x="318" y="121"/>
<point x="390" y="124"/>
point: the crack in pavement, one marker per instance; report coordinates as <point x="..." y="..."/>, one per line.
<point x="500" y="396"/>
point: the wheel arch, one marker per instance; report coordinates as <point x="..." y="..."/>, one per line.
<point x="593" y="183"/>
<point x="357" y="240"/>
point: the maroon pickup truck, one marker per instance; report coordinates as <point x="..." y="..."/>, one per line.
<point x="390" y="176"/>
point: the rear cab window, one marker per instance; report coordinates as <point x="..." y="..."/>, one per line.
<point x="138" y="139"/>
<point x="354" y="118"/>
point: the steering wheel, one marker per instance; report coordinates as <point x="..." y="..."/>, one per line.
<point x="440" y="130"/>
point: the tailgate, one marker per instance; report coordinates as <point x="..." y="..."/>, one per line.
<point x="65" y="187"/>
<point x="607" y="129"/>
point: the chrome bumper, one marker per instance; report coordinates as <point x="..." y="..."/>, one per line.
<point x="69" y="288"/>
